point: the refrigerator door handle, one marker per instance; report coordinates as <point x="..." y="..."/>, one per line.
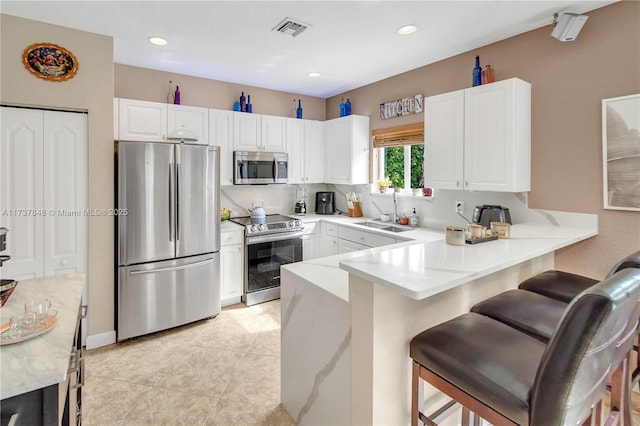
<point x="178" y="201"/>
<point x="171" y="268"/>
<point x="171" y="203"/>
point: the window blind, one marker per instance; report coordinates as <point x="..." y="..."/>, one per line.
<point x="410" y="134"/>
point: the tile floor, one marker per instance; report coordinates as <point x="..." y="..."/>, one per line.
<point x="221" y="371"/>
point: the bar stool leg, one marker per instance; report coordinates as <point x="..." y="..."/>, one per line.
<point x="620" y="388"/>
<point x="417" y="394"/>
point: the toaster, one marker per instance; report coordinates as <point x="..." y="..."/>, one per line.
<point x="487" y="213"/>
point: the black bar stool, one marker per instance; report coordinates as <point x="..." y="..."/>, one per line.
<point x="537" y="307"/>
<point x="564" y="286"/>
<point x="508" y="377"/>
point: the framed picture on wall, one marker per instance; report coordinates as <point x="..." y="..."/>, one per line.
<point x="50" y="62"/>
<point x="621" y="152"/>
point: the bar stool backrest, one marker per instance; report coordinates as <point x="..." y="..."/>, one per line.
<point x="572" y="375"/>
<point x="631" y="261"/>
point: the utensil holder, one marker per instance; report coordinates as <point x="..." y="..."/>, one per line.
<point x="357" y="209"/>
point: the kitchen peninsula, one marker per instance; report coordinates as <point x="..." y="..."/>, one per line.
<point x="347" y="320"/>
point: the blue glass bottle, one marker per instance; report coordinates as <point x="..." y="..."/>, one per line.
<point x="342" y="109"/>
<point x="299" y="110"/>
<point x="243" y="107"/>
<point x="347" y="107"/>
<point x="248" y="107"/>
<point x="477" y="73"/>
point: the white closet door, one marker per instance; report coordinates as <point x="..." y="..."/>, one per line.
<point x="21" y="193"/>
<point x="65" y="192"/>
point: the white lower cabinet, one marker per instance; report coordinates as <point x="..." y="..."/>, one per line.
<point x="231" y="266"/>
<point x="309" y="242"/>
<point x="346" y="246"/>
<point x="329" y="243"/>
<point x="353" y="240"/>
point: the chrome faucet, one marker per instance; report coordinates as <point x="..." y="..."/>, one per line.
<point x="396" y="217"/>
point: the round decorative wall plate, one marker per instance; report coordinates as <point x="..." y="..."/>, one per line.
<point x="50" y="62"/>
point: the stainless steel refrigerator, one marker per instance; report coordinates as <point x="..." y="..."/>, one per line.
<point x="168" y="236"/>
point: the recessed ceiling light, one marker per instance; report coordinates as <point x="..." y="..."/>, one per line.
<point x="407" y="29"/>
<point x="159" y="41"/>
<point x="313" y="74"/>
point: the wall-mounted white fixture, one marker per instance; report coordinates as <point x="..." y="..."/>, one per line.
<point x="567" y="26"/>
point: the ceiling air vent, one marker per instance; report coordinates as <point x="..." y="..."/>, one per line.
<point x="290" y="27"/>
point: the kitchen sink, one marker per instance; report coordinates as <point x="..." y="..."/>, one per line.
<point x="384" y="226"/>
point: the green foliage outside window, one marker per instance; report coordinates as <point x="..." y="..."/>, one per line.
<point x="417" y="163"/>
<point x="394" y="165"/>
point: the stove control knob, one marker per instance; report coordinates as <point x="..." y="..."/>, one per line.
<point x="298" y="223"/>
<point x="253" y="228"/>
<point x="261" y="227"/>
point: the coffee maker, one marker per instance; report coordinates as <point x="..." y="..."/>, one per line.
<point x="324" y="203"/>
<point x="301" y="202"/>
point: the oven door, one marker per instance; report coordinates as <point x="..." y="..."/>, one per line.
<point x="264" y="256"/>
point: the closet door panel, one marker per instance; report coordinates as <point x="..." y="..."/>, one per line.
<point x="21" y="193"/>
<point x="65" y="192"/>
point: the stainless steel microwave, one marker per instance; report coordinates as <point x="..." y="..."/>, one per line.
<point x="257" y="167"/>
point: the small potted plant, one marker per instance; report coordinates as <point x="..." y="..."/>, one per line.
<point x="383" y="184"/>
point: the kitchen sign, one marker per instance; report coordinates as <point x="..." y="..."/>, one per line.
<point x="400" y="107"/>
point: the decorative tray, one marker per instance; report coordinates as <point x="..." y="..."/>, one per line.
<point x="481" y="240"/>
<point x="7" y="339"/>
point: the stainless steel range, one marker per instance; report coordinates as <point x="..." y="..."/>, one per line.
<point x="270" y="242"/>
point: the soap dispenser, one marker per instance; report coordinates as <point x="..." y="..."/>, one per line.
<point x="413" y="219"/>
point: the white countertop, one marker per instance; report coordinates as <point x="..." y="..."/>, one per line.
<point x="423" y="269"/>
<point x="426" y="265"/>
<point x="43" y="360"/>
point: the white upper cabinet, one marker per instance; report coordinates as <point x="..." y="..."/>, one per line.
<point x="305" y="146"/>
<point x="480" y="138"/>
<point x="295" y="149"/>
<point x="221" y="134"/>
<point x="193" y="119"/>
<point x="444" y="140"/>
<point x="247" y="133"/>
<point x="142" y="121"/>
<point x="314" y="151"/>
<point x="274" y="131"/>
<point x="347" y="150"/>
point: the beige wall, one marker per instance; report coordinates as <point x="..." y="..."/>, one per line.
<point x="90" y="90"/>
<point x="569" y="81"/>
<point x="150" y="85"/>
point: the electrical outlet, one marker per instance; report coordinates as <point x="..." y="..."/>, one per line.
<point x="459" y="207"/>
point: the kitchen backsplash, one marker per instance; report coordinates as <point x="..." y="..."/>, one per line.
<point x="435" y="212"/>
<point x="277" y="198"/>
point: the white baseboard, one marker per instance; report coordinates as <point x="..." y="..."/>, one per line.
<point x="102" y="339"/>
